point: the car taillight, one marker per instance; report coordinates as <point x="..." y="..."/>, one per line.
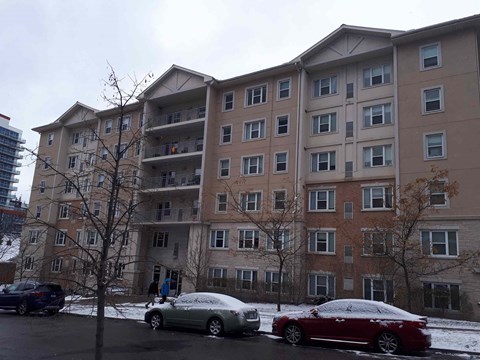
<point x="39" y="294"/>
<point x="419" y="324"/>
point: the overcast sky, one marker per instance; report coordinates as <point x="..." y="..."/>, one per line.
<point x="55" y="52"/>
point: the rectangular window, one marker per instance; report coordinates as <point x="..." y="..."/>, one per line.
<point x="432" y="100"/>
<point x="378" y="197"/>
<point x="125" y="123"/>
<point x="272" y="282"/>
<point x="69" y="187"/>
<point x="246" y="280"/>
<point x="42" y="186"/>
<point x="138" y="148"/>
<point x="217" y="277"/>
<point x="349" y="129"/>
<point x="348" y="210"/>
<point x="378" y="290"/>
<point x="325" y="123"/>
<point x="377" y="243"/>
<point x="256" y="95"/>
<point x="50" y="137"/>
<point x="47" y="162"/>
<point x="72" y="162"/>
<point x="376" y="75"/>
<point x="104" y="153"/>
<point x="251" y="201"/>
<point x="279" y="199"/>
<point x="56" y="265"/>
<point x="28" y="265"/>
<point x="283" y="89"/>
<point x="222" y="203"/>
<point x="224" y="168"/>
<point x="33" y="236"/>
<point x="324" y="161"/>
<point x="438" y="196"/>
<point x="252" y="165"/>
<point x="121" y="151"/>
<point x="38" y="211"/>
<point x="322" y="200"/>
<point x="226" y="137"/>
<point x="439" y="243"/>
<point x="430" y="56"/>
<point x="281" y="162"/>
<point x="322" y="242"/>
<point x="377" y="156"/>
<point x="321" y="285"/>
<point x="160" y="239"/>
<point x="281" y="128"/>
<point x="75" y="138"/>
<point x="350" y="91"/>
<point x="248" y="239"/>
<point x="108" y="126"/>
<point x="434" y="146"/>
<point x="219" y="239"/>
<point x="325" y="86"/>
<point x="228" y="101"/>
<point x="377" y="115"/>
<point x="97" y="207"/>
<point x="101" y="180"/>
<point x="278" y="240"/>
<point x="60" y="237"/>
<point x="441" y="296"/>
<point x="64" y="212"/>
<point x="254" y="130"/>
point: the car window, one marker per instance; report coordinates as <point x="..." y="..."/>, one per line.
<point x="206" y="300"/>
<point x="365" y="308"/>
<point x="333" y="307"/>
<point x="185" y="299"/>
<point x="27" y="286"/>
<point x="13" y="287"/>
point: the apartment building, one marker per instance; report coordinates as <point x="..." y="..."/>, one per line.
<point x="336" y="129"/>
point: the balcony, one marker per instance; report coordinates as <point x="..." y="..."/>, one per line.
<point x="176" y="117"/>
<point x="175" y="149"/>
<point x="165" y="182"/>
<point x="167" y="216"/>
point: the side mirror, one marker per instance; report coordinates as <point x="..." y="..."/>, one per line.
<point x="5" y="290"/>
<point x="172" y="303"/>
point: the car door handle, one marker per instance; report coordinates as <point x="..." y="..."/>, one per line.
<point x="339" y="320"/>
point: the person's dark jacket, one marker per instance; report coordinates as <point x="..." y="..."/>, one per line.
<point x="153" y="288"/>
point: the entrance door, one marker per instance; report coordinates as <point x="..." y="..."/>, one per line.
<point x="156" y="273"/>
<point x="175" y="281"/>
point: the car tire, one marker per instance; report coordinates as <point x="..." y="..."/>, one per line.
<point x="293" y="334"/>
<point x="22" y="307"/>
<point x="388" y="343"/>
<point x="156" y="321"/>
<point x="215" y="327"/>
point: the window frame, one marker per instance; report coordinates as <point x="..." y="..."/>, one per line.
<point x="276" y="200"/>
<point x="221" y="168"/>
<point x="223" y="135"/>
<point x="241" y="280"/>
<point x="371" y="76"/>
<point x="427" y="146"/>
<point x="371" y="243"/>
<point x="387" y="149"/>
<point x="443" y="183"/>
<point x="424" y="103"/>
<point x="219" y="203"/>
<point x="434" y="243"/>
<point x="279" y="126"/>
<point x="61" y="237"/>
<point x="328" y="286"/>
<point x="281" y="96"/>
<point x="217" y="242"/>
<point x="438" y="56"/>
<point x="387" y="197"/>
<point x="314" y="242"/>
<point x="331" y="161"/>
<point x="387" y="290"/>
<point x="248" y="236"/>
<point x="331" y="122"/>
<point x="245" y="201"/>
<point x="249" y="130"/>
<point x="332" y="86"/>
<point x="160" y="239"/>
<point x="56" y="266"/>
<point x="278" y="163"/>
<point x="250" y="95"/>
<point x="225" y="102"/>
<point x="330" y="203"/>
<point x="64" y="211"/>
<point x="283" y="237"/>
<point x="435" y="296"/>
<point x="217" y="281"/>
<point x="247" y="165"/>
<point x="386" y="115"/>
<point x="108" y="126"/>
<point x="273" y="279"/>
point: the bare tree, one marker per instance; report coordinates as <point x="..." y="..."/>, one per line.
<point x="197" y="262"/>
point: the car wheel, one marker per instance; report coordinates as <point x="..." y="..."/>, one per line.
<point x="22" y="307"/>
<point x="293" y="334"/>
<point x="215" y="327"/>
<point x="388" y="343"/>
<point x="156" y="321"/>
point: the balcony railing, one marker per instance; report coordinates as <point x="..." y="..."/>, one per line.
<point x="176" y="117"/>
<point x="178" y="180"/>
<point x="174" y="215"/>
<point x="174" y="148"/>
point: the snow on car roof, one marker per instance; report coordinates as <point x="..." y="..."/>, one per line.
<point x="226" y="299"/>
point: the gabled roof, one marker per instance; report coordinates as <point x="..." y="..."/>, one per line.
<point x="66" y="115"/>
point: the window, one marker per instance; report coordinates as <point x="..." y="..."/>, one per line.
<point x="97" y="207"/>
<point x="108" y="126"/>
<point x="272" y="281"/>
<point x="278" y="240"/>
<point x="222" y="203"/>
<point x="435" y="146"/>
<point x="252" y="165"/>
<point x="42" y="186"/>
<point x="246" y="280"/>
<point x="441" y="296"/>
<point x="321" y="285"/>
<point x="281" y="128"/>
<point x="438" y="196"/>
<point x="281" y="162"/>
<point x="378" y="290"/>
<point x="322" y="200"/>
<point x="69" y="187"/>
<point x="254" y="130"/>
<point x="50" y="137"/>
<point x="350" y="91"/>
<point x="33" y="236"/>
<point x="38" y="211"/>
<point x="125" y="123"/>
<point x="217" y="277"/>
<point x="104" y="153"/>
<point x="283" y="89"/>
<point x="72" y="162"/>
<point x="138" y="148"/>
<point x="325" y="86"/>
<point x="377" y="243"/>
<point x="248" y="239"/>
<point x="348" y="210"/>
<point x="28" y="265"/>
<point x="228" y="101"/>
<point x="251" y="201"/>
<point x="439" y="243"/>
<point x="378" y="197"/>
<point x="432" y="100"/>
<point x="226" y="137"/>
<point x="279" y="199"/>
<point x="121" y="152"/>
<point x="75" y="138"/>
<point x="377" y="156"/>
<point x="376" y="75"/>
<point x="160" y="239"/>
<point x="60" y="237"/>
<point x="325" y="123"/>
<point x="256" y="95"/>
<point x="101" y="180"/>
<point x="56" y="265"/>
<point x="47" y="162"/>
<point x="125" y="238"/>
<point x="324" y="161"/>
<point x="219" y="239"/>
<point x="377" y="115"/>
<point x="322" y="241"/>
<point x="430" y="56"/>
<point x="64" y="212"/>
<point x="224" y="168"/>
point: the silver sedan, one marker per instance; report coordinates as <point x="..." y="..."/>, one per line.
<point x="215" y="313"/>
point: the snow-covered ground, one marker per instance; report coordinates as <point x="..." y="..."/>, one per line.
<point x="463" y="336"/>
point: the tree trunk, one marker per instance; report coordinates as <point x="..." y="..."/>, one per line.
<point x="100" y="323"/>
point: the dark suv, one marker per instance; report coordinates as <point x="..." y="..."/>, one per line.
<point x="26" y="296"/>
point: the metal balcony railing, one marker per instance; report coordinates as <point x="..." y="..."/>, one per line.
<point x="174" y="215"/>
<point x="158" y="182"/>
<point x="174" y="148"/>
<point x="176" y="117"/>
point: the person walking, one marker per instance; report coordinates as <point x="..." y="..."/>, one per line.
<point x="152" y="293"/>
<point x="165" y="290"/>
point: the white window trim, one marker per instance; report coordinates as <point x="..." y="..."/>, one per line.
<point x="446" y="231"/>
<point x="447" y="198"/>
<point x="317" y="155"/>
<point x="444" y="146"/>
<point x="324" y="230"/>
<point x="217" y="211"/>
<point x="259" y="193"/>
<point x="420" y="48"/>
<point x="259" y="121"/>
<point x="219" y="174"/>
<point x="275" y="191"/>
<point x="221" y="134"/>
<point x="322" y="210"/>
<point x="319" y="133"/>
<point x="253" y="87"/>
<point x="242" y="170"/>
<point x="289" y="79"/>
<point x="223" y="101"/>
<point x="384" y="147"/>
<point x="61" y="231"/>
<point x="277" y="125"/>
<point x="319" y="79"/>
<point x="383" y="105"/>
<point x="423" y="102"/>
<point x="371" y="187"/>
<point x="253" y="230"/>
<point x="275" y="171"/>
<point x="226" y="239"/>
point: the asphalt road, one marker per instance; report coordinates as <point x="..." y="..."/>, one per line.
<point x="73" y="337"/>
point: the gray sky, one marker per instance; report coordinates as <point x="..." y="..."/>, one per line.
<point x="55" y="52"/>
